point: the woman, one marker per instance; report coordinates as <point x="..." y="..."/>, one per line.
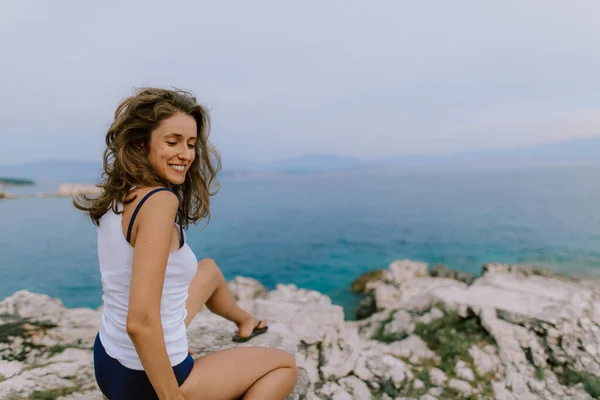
<point x="159" y="168"/>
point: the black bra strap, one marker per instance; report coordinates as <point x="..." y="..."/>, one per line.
<point x="181" y="239"/>
<point x="137" y="209"/>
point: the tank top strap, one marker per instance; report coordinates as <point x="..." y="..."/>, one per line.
<point x="181" y="238"/>
<point x="137" y="209"/>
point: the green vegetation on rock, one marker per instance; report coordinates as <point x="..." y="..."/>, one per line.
<point x="385" y="337"/>
<point x="360" y="284"/>
<point x="24" y="329"/>
<point x="590" y="382"/>
<point x="539" y="374"/>
<point x="451" y="337"/>
<point x="54" y="393"/>
<point x="16" y="181"/>
<point x="51" y="394"/>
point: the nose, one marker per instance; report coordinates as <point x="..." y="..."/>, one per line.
<point x="186" y="155"/>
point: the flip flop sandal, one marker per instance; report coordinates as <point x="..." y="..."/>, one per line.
<point x="257" y="331"/>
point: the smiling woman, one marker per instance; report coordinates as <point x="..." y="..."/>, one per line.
<point x="155" y="133"/>
<point x="172" y="153"/>
<point x="160" y="168"/>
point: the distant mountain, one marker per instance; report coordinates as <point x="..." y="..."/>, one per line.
<point x="308" y="163"/>
<point x="576" y="151"/>
<point x="571" y="152"/>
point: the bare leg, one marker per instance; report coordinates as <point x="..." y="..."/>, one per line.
<point x="253" y="372"/>
<point x="209" y="287"/>
<point x="275" y="385"/>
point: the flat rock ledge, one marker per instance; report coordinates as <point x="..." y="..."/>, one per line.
<point x="512" y="333"/>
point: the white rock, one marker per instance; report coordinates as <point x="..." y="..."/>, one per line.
<point x="371" y="365"/>
<point x="387" y="296"/>
<point x="461" y="386"/>
<point x="244" y="288"/>
<point x="355" y="387"/>
<point x="362" y="369"/>
<point x="437" y="376"/>
<point x="485" y="361"/>
<point x="413" y="348"/>
<point x="368" y="327"/>
<point x="501" y="392"/>
<point x="340" y="353"/>
<point x="291" y="293"/>
<point x="401" y="271"/>
<point x="520" y="300"/>
<point x="533" y="319"/>
<point x="208" y="332"/>
<point x="432" y="315"/>
<point x="510" y="352"/>
<point x="536" y="386"/>
<point x="420" y="294"/>
<point x="401" y="324"/>
<point x="464" y="372"/>
<point x="307" y="357"/>
<point x="38" y="307"/>
<point x="310" y="322"/>
<point x="334" y="392"/>
<point x="9" y="369"/>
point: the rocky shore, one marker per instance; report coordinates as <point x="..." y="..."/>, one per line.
<point x="512" y="333"/>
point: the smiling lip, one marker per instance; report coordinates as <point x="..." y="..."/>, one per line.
<point x="177" y="167"/>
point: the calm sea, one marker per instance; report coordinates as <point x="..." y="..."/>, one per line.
<point x="320" y="231"/>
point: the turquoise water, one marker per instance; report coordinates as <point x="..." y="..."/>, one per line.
<point x="321" y="231"/>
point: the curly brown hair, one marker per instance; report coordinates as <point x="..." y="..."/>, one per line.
<point x="125" y="166"/>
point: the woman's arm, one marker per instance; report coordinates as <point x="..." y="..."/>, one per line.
<point x="152" y="247"/>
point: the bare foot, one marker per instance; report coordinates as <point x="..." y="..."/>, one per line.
<point x="245" y="328"/>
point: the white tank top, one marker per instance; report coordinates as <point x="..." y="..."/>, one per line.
<point x="115" y="256"/>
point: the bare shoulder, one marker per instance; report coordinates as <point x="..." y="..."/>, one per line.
<point x="160" y="202"/>
<point x="164" y="195"/>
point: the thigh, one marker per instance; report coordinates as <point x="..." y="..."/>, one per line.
<point x="228" y="374"/>
<point x="207" y="278"/>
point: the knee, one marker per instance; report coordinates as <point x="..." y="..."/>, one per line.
<point x="288" y="361"/>
<point x="293" y="370"/>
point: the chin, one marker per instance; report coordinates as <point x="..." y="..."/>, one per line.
<point x="176" y="181"/>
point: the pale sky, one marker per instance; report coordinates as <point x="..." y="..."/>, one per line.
<point x="357" y="78"/>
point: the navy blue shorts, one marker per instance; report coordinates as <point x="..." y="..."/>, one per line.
<point x="118" y="382"/>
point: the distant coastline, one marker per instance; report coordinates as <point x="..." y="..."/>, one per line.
<point x="64" y="190"/>
<point x="16" y="181"/>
